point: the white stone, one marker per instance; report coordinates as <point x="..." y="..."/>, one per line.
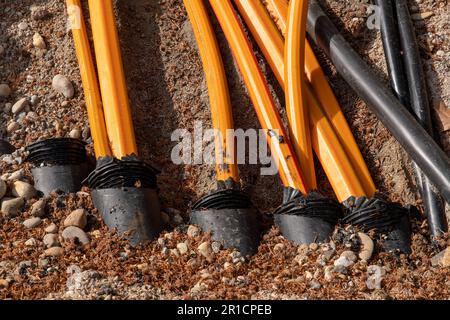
<point x="366" y="247"/>
<point x="72" y="232"/>
<point x="205" y="250"/>
<point x="54" y="252"/>
<point x="19" y="106"/>
<point x="32" y="222"/>
<point x="76" y="218"/>
<point x="51" y="240"/>
<point x="63" y="85"/>
<point x="11" y="207"/>
<point x="23" y="189"/>
<point x="38" y="41"/>
<point x="52" y="228"/>
<point x="38" y="208"/>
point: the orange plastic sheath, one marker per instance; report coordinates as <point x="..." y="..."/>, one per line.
<point x="116" y="107"/>
<point x="326" y="97"/>
<point x="89" y="80"/>
<point x="295" y="89"/>
<point x="269" y="118"/>
<point x="326" y="145"/>
<point x="221" y="111"/>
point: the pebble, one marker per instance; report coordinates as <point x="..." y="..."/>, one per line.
<point x="11" y="207"/>
<point x="76" y="218"/>
<point x="279" y="247"/>
<point x="51" y="228"/>
<point x="182" y="247"/>
<point x="4" y="284"/>
<point x="421" y="15"/>
<point x="174" y="252"/>
<point x="3" y="189"/>
<point x="193" y="231"/>
<point x="375" y="276"/>
<point x="328" y="273"/>
<point x="38" y="41"/>
<point x="32" y="222"/>
<point x="442" y="259"/>
<point x="34" y="99"/>
<point x="51" y="240"/>
<point x="345" y="260"/>
<point x="7" y="108"/>
<point x="315" y="285"/>
<point x="22" y="26"/>
<point x="54" y="252"/>
<point x="63" y="85"/>
<point x="13" y="126"/>
<point x="31" y="242"/>
<point x="75" y="134"/>
<point x="38" y="208"/>
<point x="72" y="232"/>
<point x="5" y="90"/>
<point x="216" y="246"/>
<point x="205" y="250"/>
<point x="366" y="246"/>
<point x="23" y="189"/>
<point x="19" y="106"/>
<point x="313" y="246"/>
<point x="16" y="175"/>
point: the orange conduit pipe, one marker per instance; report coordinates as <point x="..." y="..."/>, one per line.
<point x="326" y="97"/>
<point x="268" y="116"/>
<point x="89" y="80"/>
<point x="328" y="148"/>
<point x="295" y="89"/>
<point x="119" y="123"/>
<point x="221" y="111"/>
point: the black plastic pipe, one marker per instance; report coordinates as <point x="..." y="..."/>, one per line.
<point x="408" y="80"/>
<point x="395" y="117"/>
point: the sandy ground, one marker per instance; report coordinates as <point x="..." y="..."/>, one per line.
<point x="168" y="91"/>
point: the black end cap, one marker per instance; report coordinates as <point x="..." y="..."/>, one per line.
<point x="230" y="217"/>
<point x="58" y="164"/>
<point x="134" y="212"/>
<point x="309" y="219"/>
<point x="390" y="221"/>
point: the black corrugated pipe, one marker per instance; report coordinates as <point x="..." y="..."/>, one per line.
<point x="408" y="80"/>
<point x="396" y="118"/>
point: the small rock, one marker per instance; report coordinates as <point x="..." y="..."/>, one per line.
<point x="205" y="250"/>
<point x="314" y="284"/>
<point x="3" y="189"/>
<point x="4" y="284"/>
<point x="174" y="252"/>
<point x="38" y="208"/>
<point x="328" y="273"/>
<point x="227" y="265"/>
<point x="43" y="263"/>
<point x="11" y="207"/>
<point x="38" y="41"/>
<point x="32" y="222"/>
<point x="313" y="246"/>
<point x="7" y="108"/>
<point x="22" y="26"/>
<point x="193" y="231"/>
<point x="446" y="258"/>
<point x="182" y="247"/>
<point x="72" y="232"/>
<point x="34" y="99"/>
<point x="51" y="228"/>
<point x="23" y="189"/>
<point x="366" y="247"/>
<point x="375" y="276"/>
<point x="16" y="175"/>
<point x="350" y="255"/>
<point x="76" y="218"/>
<point x="75" y="134"/>
<point x="54" y="252"/>
<point x="19" y="106"/>
<point x="31" y="242"/>
<point x="279" y="247"/>
<point x="13" y="126"/>
<point x="39" y="13"/>
<point x="421" y="15"/>
<point x="63" y="85"/>
<point x="442" y="259"/>
<point x="216" y="246"/>
<point x="51" y="240"/>
<point x="5" y="90"/>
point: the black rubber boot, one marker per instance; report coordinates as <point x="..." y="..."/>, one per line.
<point x="125" y="193"/>
<point x="305" y="220"/>
<point x="390" y="221"/>
<point x="58" y="164"/>
<point x="230" y="217"/>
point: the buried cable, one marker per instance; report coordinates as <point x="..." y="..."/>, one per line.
<point x="227" y="213"/>
<point x="296" y="191"/>
<point x="415" y="140"/>
<point x="123" y="187"/>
